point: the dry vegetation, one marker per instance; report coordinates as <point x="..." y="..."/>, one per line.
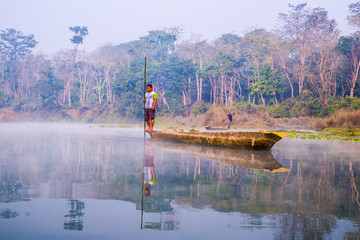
<point x="341" y="119"/>
<point x="216" y="117"/>
<point x="7" y="115"/>
<point x="100" y="114"/>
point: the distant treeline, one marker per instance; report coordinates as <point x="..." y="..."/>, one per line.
<point x="303" y="68"/>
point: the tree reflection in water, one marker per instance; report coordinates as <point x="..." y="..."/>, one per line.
<point x="7" y="213"/>
<point x="10" y="191"/>
<point x="304" y="189"/>
<point x="73" y="220"/>
<point x="166" y="221"/>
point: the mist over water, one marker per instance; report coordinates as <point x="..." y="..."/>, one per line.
<point x="81" y="181"/>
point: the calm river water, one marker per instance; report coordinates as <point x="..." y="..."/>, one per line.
<point x="78" y="181"/>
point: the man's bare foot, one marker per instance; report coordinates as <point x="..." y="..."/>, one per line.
<point x="148" y="130"/>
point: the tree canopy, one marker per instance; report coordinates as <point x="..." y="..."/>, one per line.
<point x="304" y="58"/>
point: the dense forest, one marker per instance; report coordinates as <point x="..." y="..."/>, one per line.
<point x="303" y="68"/>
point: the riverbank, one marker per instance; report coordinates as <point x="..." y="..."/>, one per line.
<point x="332" y="134"/>
<point x="342" y="125"/>
<point x="84" y="114"/>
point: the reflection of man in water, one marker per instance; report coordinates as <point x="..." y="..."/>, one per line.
<point x="149" y="174"/>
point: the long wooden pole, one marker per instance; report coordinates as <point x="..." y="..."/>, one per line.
<point x="144" y="95"/>
<point x="142" y="175"/>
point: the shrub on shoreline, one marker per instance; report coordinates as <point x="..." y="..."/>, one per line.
<point x="341" y="119"/>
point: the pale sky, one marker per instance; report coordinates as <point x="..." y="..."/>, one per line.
<point x="119" y="21"/>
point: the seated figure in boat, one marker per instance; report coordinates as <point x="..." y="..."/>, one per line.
<point x="229" y="115"/>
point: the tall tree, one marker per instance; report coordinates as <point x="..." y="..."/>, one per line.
<point x="200" y="53"/>
<point x="281" y="53"/>
<point x="354" y="16"/>
<point x="268" y="86"/>
<point x="128" y="85"/>
<point x="79" y="34"/>
<point x="107" y="57"/>
<point x="158" y="45"/>
<point x="172" y="80"/>
<point x="294" y="29"/>
<point x="324" y="35"/>
<point x="221" y="73"/>
<point x="63" y="69"/>
<point x="49" y="88"/>
<point x="84" y="78"/>
<point x="349" y="46"/>
<point x="229" y="44"/>
<point x="14" y="48"/>
<point x="255" y="48"/>
<point x="14" y="45"/>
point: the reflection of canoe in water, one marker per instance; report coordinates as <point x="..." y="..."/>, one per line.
<point x="234" y="157"/>
<point x="216" y="128"/>
<point x="247" y="140"/>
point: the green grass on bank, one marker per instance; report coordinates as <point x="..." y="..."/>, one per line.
<point x="333" y="134"/>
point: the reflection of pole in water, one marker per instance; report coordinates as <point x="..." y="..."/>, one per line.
<point x="142" y="174"/>
<point x="142" y="192"/>
<point x="142" y="202"/>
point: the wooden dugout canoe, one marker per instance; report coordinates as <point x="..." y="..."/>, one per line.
<point x="242" y="140"/>
<point x="263" y="160"/>
<point x="216" y="128"/>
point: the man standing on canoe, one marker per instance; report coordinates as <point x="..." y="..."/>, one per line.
<point x="150" y="103"/>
